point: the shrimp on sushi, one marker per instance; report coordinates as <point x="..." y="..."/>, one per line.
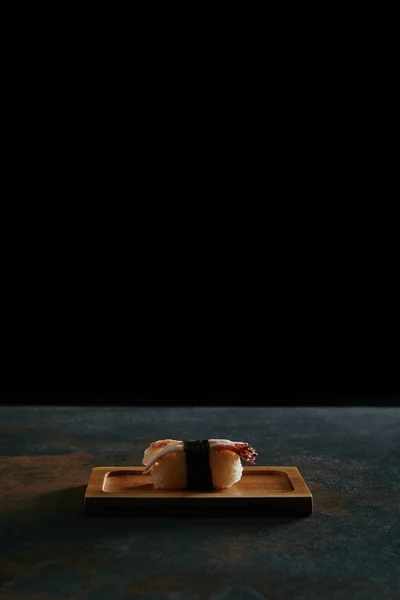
<point x="196" y="464"/>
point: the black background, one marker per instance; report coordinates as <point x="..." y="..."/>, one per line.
<point x="285" y="396"/>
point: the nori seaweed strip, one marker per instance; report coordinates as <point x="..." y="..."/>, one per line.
<point x="198" y="464"/>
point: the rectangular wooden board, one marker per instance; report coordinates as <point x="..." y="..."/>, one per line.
<point x="262" y="491"/>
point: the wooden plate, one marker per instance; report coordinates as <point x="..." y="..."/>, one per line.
<point x="262" y="491"/>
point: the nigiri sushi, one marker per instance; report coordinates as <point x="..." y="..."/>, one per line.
<point x="196" y="464"/>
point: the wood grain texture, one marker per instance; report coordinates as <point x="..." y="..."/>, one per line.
<point x="265" y="491"/>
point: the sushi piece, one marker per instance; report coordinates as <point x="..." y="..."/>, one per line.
<point x="196" y="464"/>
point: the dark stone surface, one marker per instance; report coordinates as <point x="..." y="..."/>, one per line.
<point x="348" y="549"/>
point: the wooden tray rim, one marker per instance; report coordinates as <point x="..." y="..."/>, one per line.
<point x="99" y="474"/>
